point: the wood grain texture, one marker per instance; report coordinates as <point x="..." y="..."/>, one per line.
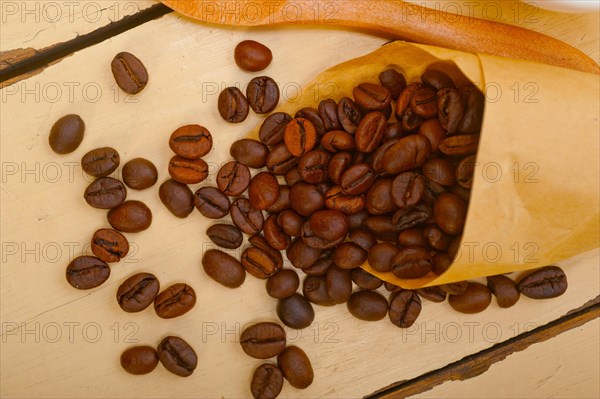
<point x="60" y="342"/>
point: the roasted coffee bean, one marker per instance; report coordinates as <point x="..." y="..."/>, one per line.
<point x="476" y="298"/>
<point x="370" y="131"/>
<point x="263" y="340"/>
<point x="262" y="94"/>
<point x="405" y="307"/>
<point x="188" y="171"/>
<point x="337" y="166"/>
<point x="450" y="212"/>
<point x="393" y="80"/>
<point x="130" y="217"/>
<point x="329" y="224"/>
<point x="139" y="174"/>
<point x="175" y="301"/>
<point x="233" y="178"/>
<point x="100" y="162"/>
<point x="315" y="290"/>
<point x="272" y="129"/>
<point x="263" y="190"/>
<point x="436" y="238"/>
<point x="363" y="238"/>
<point x="252" y="56"/>
<point x="348" y="204"/>
<point x="393" y="131"/>
<point x="349" y="255"/>
<point x="329" y="115"/>
<point x="313" y="166"/>
<point x="437" y="79"/>
<point x="259" y="263"/>
<point x="434" y="132"/>
<point x="412" y="262"/>
<point x="85" y="272"/>
<point x="410" y="217"/>
<point x="441" y="263"/>
<point x="382" y="227"/>
<point x="314" y="117"/>
<point x="283" y="284"/>
<point x="109" y="245"/>
<point x="465" y="170"/>
<point x="377" y="156"/>
<point x="314" y="241"/>
<point x="300" y="136"/>
<point x="301" y="255"/>
<point x="280" y="161"/>
<point x="460" y="145"/>
<point x="225" y="235"/>
<point x="129" y="73"/>
<point x="261" y="243"/>
<point x="407" y="189"/>
<point x="413" y="237"/>
<point x="462" y="192"/>
<point x="506" y="291"/>
<point x="439" y="170"/>
<point x="403" y="102"/>
<point x="457" y="288"/>
<point x="177" y="356"/>
<point x="295" y="312"/>
<point x="139" y="360"/>
<point x="391" y="287"/>
<point x="296" y="367"/>
<point x="211" y="202"/>
<point x="232" y="105"/>
<point x="290" y="222"/>
<point x="283" y="200"/>
<point x="66" y="134"/>
<point x="267" y="382"/>
<point x="410" y="121"/>
<point x="379" y="197"/>
<point x="451" y="110"/>
<point x="105" y="193"/>
<point x="251" y="153"/>
<point x="223" y="268"/>
<point x="372" y="97"/>
<point x="368" y="305"/>
<point x="177" y="198"/>
<point x="274" y="234"/>
<point x="339" y="284"/>
<point x="424" y="103"/>
<point x="473" y="102"/>
<point x="408" y="153"/>
<point x="544" y="283"/>
<point x="432" y="294"/>
<point x="306" y="198"/>
<point x="365" y="280"/>
<point x="245" y="217"/>
<point x="137" y="292"/>
<point x="320" y="267"/>
<point x="191" y="141"/>
<point x="337" y="140"/>
<point x="357" y="179"/>
<point x="349" y="115"/>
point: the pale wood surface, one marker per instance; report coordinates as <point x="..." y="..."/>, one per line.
<point x="43" y="215"/>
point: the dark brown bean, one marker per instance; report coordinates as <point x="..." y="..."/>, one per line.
<point x="306" y="198"/>
<point x="267" y="382"/>
<point x="295" y="312"/>
<point x="260" y="263"/>
<point x="544" y="283"/>
<point x="465" y="170"/>
<point x="473" y="103"/>
<point x="296" y="367"/>
<point x="105" y="193"/>
<point x="370" y="131"/>
<point x="313" y="166"/>
<point x="436" y="238"/>
<point x="100" y="162"/>
<point x="329" y="115"/>
<point x="451" y="110"/>
<point x="357" y="179"/>
<point x="272" y="129"/>
<point x="274" y="234"/>
<point x="280" y="161"/>
<point x="177" y="356"/>
<point x="476" y="298"/>
<point x="337" y="166"/>
<point x="137" y="292"/>
<point x="175" y="301"/>
<point x="439" y="170"/>
<point x="407" y="189"/>
<point x="434" y="132"/>
<point x="433" y="294"/>
<point x="349" y="115"/>
<point x="506" y="291"/>
<point x="314" y="117"/>
<point x="349" y="255"/>
<point x="177" y="198"/>
<point x="245" y="217"/>
<point x="283" y="284"/>
<point x="85" y="272"/>
<point x="348" y="204"/>
<point x="412" y="262"/>
<point x="233" y="105"/>
<point x="130" y="217"/>
<point x="301" y="255"/>
<point x="290" y="222"/>
<point x="109" y="245"/>
<point x="263" y="340"/>
<point x="139" y="174"/>
<point x="461" y="145"/>
<point x="211" y="202"/>
<point x="233" y="178"/>
<point x="261" y="243"/>
<point x="223" y="268"/>
<point x="379" y="197"/>
<point x="372" y="97"/>
<point x="263" y="190"/>
<point x="66" y="134"/>
<point x="363" y="238"/>
<point x="252" y="56"/>
<point x="408" y="153"/>
<point x="368" y="305"/>
<point x="437" y="79"/>
<point x="424" y="103"/>
<point x="382" y="227"/>
<point x="405" y="307"/>
<point x="403" y="102"/>
<point x="393" y="80"/>
<point x="413" y="237"/>
<point x="337" y="140"/>
<point x="364" y="279"/>
<point x="450" y="212"/>
<point x="329" y="224"/>
<point x="139" y="360"/>
<point x="393" y="131"/>
<point x="410" y="217"/>
<point x="191" y="141"/>
<point x="283" y="200"/>
<point x="251" y="153"/>
<point x="225" y="235"/>
<point x="262" y="94"/>
<point x="129" y="73"/>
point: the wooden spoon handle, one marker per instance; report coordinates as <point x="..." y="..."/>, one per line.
<point x="401" y="19"/>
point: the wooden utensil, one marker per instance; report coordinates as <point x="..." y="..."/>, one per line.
<point x="398" y="18"/>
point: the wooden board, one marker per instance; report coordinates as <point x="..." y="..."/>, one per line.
<point x="60" y="342"/>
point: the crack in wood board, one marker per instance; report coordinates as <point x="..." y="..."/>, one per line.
<point x="478" y="363"/>
<point x="19" y="64"/>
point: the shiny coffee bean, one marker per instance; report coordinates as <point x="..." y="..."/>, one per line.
<point x="436" y="238"/>
<point x="174" y="301"/>
<point x="314" y="117"/>
<point x="137" y="292"/>
<point x="363" y="238"/>
<point x="412" y="262"/>
<point x="139" y="360"/>
<point x="337" y="140"/>
<point x="260" y="263"/>
<point x="267" y="382"/>
<point x="372" y="97"/>
<point x="432" y="294"/>
<point x="437" y="79"/>
<point x="365" y="280"/>
<point x="283" y="200"/>
<point x="188" y="171"/>
<point x="251" y="153"/>
<point x="439" y="170"/>
<point x="349" y="256"/>
<point x="177" y="198"/>
<point x="504" y="289"/>
<point x="313" y="166"/>
<point x="544" y="283"/>
<point x="225" y="235"/>
<point x="405" y="307"/>
<point x="348" y="204"/>
<point x="339" y="284"/>
<point x="312" y="240"/>
<point x="245" y="217"/>
<point x="450" y="212"/>
<point x="393" y="131"/>
<point x="302" y="255"/>
<point x="274" y="234"/>
<point x="376" y="158"/>
<point x="211" y="202"/>
<point x="329" y="115"/>
<point x="382" y="227"/>
<point x="393" y="80"/>
<point x="252" y="56"/>
<point x="457" y="288"/>
<point x="260" y="242"/>
<point x="85" y="272"/>
<point x="296" y="367"/>
<point x="290" y="222"/>
<point x="321" y="266"/>
<point x="329" y="224"/>
<point x="459" y="146"/>
<point x="357" y="179"/>
<point x="424" y="103"/>
<point x="66" y="134"/>
<point x="368" y="305"/>
<point x="338" y="164"/>
<point x="473" y="103"/>
<point x="129" y="73"/>
<point x="262" y="94"/>
<point x="272" y="129"/>
<point x="413" y="237"/>
<point x="280" y="161"/>
<point x="263" y="191"/>
<point x="139" y="174"/>
<point x="403" y="101"/>
<point x="379" y="197"/>
<point x="306" y="198"/>
<point x="451" y="110"/>
<point x="233" y="178"/>
<point x="105" y="193"/>
<point x="410" y="121"/>
<point x="100" y="162"/>
<point x="295" y="312"/>
<point x="263" y="340"/>
<point x="191" y="141"/>
<point x="130" y="217"/>
<point x="283" y="284"/>
<point x="177" y="356"/>
<point x="232" y="105"/>
<point x="370" y="131"/>
<point x="434" y="132"/>
<point x="408" y="153"/>
<point x="300" y="136"/>
<point x="407" y="189"/>
<point x="223" y="268"/>
<point x="349" y="115"/>
<point x="465" y="170"/>
<point x="109" y="245"/>
<point x="441" y="263"/>
<point x="476" y="298"/>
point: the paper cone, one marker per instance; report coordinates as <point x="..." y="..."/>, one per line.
<point x="535" y="196"/>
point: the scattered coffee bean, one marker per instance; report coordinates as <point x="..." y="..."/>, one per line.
<point x="405" y="307"/>
<point x="283" y="284"/>
<point x="105" y="193"/>
<point x="109" y="245"/>
<point x="177" y="198"/>
<point x="139" y="174"/>
<point x="175" y="301"/>
<point x="188" y="171"/>
<point x="139" y="360"/>
<point x="368" y="305"/>
<point x="100" y="162"/>
<point x="129" y="73"/>
<point x="85" y="272"/>
<point x="138" y="292"/>
<point x="223" y="268"/>
<point x="263" y="191"/>
<point x="544" y="283"/>
<point x="249" y="152"/>
<point x="476" y="298"/>
<point x="365" y="280"/>
<point x="252" y="56"/>
<point x="295" y="311"/>
<point x="506" y="291"/>
<point x="211" y="202"/>
<point x="177" y="356"/>
<point x="267" y="382"/>
<point x="232" y="105"/>
<point x="432" y="294"/>
<point x="263" y="340"/>
<point x="191" y="141"/>
<point x="296" y="367"/>
<point x="66" y="134"/>
<point x="262" y="94"/>
<point x="272" y="129"/>
<point x="130" y="217"/>
<point x="260" y="263"/>
<point x="233" y="178"/>
<point x="225" y="235"/>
